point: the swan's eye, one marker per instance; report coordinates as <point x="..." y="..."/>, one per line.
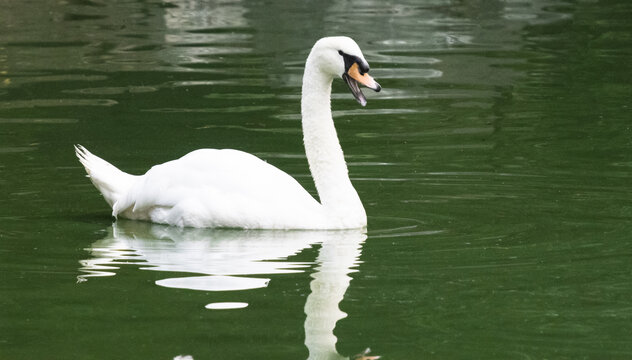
<point x="363" y="67"/>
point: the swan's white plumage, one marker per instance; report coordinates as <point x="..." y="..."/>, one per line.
<point x="219" y="188"/>
<point x="231" y="188"/>
<point x="112" y="182"/>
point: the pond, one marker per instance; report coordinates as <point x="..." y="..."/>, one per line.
<point x="495" y="167"/>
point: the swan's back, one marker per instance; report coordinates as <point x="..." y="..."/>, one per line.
<point x="220" y="188"/>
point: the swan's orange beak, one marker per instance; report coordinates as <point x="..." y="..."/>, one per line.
<point x="364" y="79"/>
<point x="353" y="77"/>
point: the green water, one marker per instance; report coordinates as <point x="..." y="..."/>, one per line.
<point x="495" y="167"/>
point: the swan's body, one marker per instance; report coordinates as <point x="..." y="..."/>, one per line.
<point x="215" y="188"/>
<point x="231" y="188"/>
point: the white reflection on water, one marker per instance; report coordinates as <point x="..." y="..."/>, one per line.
<point x="197" y="30"/>
<point x="227" y="260"/>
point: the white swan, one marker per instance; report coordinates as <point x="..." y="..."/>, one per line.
<point x="231" y="188"/>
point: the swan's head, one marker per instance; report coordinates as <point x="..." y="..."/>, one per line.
<point x="340" y="56"/>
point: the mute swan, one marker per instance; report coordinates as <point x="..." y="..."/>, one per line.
<point x="231" y="188"/>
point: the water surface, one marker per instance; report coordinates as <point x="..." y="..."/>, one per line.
<point x="495" y="169"/>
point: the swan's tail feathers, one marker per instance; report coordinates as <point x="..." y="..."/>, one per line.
<point x="111" y="182"/>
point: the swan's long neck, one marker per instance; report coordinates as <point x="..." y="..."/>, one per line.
<point x="322" y="147"/>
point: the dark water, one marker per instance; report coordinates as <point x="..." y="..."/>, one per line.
<point x="495" y="167"/>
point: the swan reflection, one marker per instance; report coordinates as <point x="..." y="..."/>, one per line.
<point x="222" y="256"/>
<point x="228" y="260"/>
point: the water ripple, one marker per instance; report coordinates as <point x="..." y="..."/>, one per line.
<point x="37" y="121"/>
<point x="18" y="104"/>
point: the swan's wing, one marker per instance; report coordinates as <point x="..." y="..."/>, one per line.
<point x="220" y="184"/>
